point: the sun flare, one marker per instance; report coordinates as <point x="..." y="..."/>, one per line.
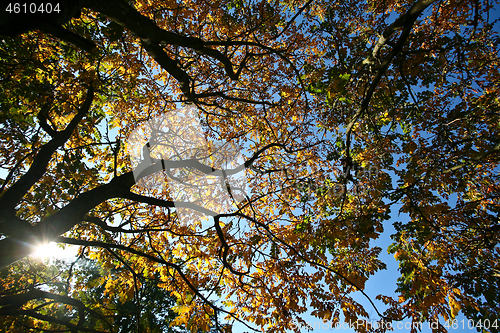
<point x="53" y="250"/>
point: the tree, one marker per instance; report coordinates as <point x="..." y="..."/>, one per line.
<point x="57" y="292"/>
<point x="340" y="111"/>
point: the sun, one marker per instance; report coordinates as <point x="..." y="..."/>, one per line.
<point x="53" y="250"/>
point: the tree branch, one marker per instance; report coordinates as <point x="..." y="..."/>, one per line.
<point x="68" y="36"/>
<point x="153" y="37"/>
<point x="11" y="197"/>
<point x="11" y="305"/>
<point x="176" y="267"/>
<point x="405" y="22"/>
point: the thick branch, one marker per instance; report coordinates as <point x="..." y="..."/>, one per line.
<point x="12" y="196"/>
<point x="25" y="242"/>
<point x="15" y="248"/>
<point x="68" y="36"/>
<point x="170" y="65"/>
<point x="167" y="203"/>
<point x="42" y="117"/>
<point x="12" y="305"/>
<point x="404" y="21"/>
<point x="153" y="37"/>
<point x="9" y="223"/>
<point x="51" y="319"/>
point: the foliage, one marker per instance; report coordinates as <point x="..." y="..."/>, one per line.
<point x="342" y="111"/>
<point x="61" y="283"/>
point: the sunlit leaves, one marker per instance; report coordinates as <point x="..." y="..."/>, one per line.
<point x="338" y="117"/>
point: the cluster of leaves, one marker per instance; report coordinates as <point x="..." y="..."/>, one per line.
<point x="407" y="88"/>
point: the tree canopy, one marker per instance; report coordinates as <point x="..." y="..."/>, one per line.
<point x="337" y="114"/>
